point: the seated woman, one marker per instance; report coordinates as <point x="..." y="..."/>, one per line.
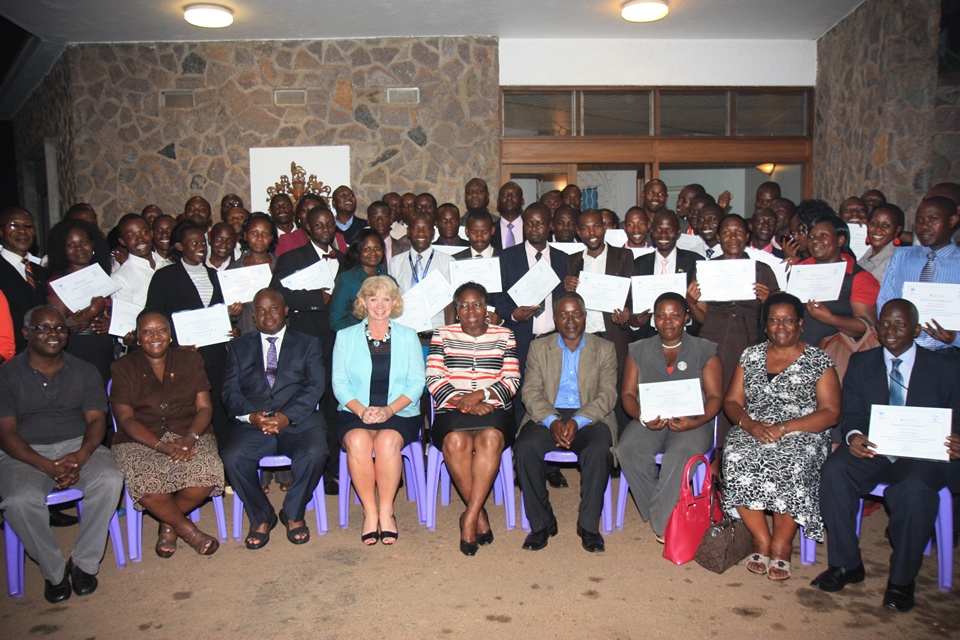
<point x="773" y="455"/>
<point x="364" y="260"/>
<point x="472" y="374"/>
<point x="164" y="446"/>
<point x="378" y="377"/>
<point x="672" y="354"/>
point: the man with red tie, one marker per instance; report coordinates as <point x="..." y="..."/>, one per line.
<point x="22" y="280"/>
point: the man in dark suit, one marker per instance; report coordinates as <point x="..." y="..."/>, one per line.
<point x="899" y="373"/>
<point x="310" y="313"/>
<point x="272" y="384"/>
<point x="508" y="228"/>
<point x="22" y="280"/>
<point x="480" y="231"/>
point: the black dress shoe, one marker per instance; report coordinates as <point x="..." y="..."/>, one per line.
<point x="469" y="548"/>
<point x="83" y="583"/>
<point x="537" y="540"/>
<point x="836" y="578"/>
<point x="899" y="598"/>
<point x="556" y="480"/>
<point x="331" y="487"/>
<point x="592" y="542"/>
<point x="61" y="519"/>
<point x="483" y="539"/>
<point x="59" y="592"/>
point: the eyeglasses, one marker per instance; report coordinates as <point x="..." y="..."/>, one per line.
<point x="17" y="226"/>
<point x="787" y="322"/>
<point x="564" y="315"/>
<point x="44" y="329"/>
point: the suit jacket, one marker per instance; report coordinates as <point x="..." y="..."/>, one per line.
<point x="172" y="290"/>
<point x="513" y="266"/>
<point x="398" y="246"/>
<point x="497" y="239"/>
<point x="21" y="296"/>
<point x="308" y="313"/>
<point x="619" y="263"/>
<point x="686" y="263"/>
<point x="596" y="376"/>
<point x="298" y="387"/>
<point x="467" y="254"/>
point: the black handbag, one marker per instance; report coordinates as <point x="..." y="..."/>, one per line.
<point x="726" y="542"/>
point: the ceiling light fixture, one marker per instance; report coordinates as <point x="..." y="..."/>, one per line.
<point x="644" y="10"/>
<point x="766" y="167"/>
<point x="208" y="16"/>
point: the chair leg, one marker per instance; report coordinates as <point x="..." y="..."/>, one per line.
<point x="434" y="464"/>
<point x="524" y="523"/>
<point x="808" y="549"/>
<point x="506" y="479"/>
<point x="622" y="492"/>
<point x="319" y="506"/>
<point x="116" y="539"/>
<point x="221" y="517"/>
<point x="343" y="501"/>
<point x="420" y="478"/>
<point x="237" y="516"/>
<point x="134" y="529"/>
<point x="945" y="540"/>
<point x="445" y="485"/>
<point x="14" y="553"/>
<point x="606" y="516"/>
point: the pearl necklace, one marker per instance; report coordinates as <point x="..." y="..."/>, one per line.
<point x="671" y="346"/>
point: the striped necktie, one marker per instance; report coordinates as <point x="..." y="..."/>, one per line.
<point x="897" y="396"/>
<point x="509" y="241"/>
<point x="28" y="273"/>
<point x="929" y="268"/>
<point x="271" y="370"/>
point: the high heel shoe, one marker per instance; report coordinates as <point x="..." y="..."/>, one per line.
<point x="483" y="539"/>
<point x="468" y="548"/>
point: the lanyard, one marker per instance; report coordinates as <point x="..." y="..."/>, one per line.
<point x="418" y="277"/>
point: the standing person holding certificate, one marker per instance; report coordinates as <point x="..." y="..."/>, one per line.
<point x="364" y="260"/>
<point x="672" y="354"/>
<point x="898" y="373"/>
<point x="884" y="227"/>
<point x="259" y="240"/>
<point x="773" y="456"/>
<point x="733" y="325"/>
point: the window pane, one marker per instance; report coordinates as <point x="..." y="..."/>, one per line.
<point x="616" y="114"/>
<point x="543" y="113"/>
<point x="693" y="113"/>
<point x="771" y="114"/>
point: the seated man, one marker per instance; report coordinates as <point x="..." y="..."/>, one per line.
<point x="271" y="386"/>
<point x="53" y="413"/>
<point x="898" y="373"/>
<point x="569" y="393"/>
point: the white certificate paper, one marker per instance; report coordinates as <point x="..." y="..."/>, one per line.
<point x="858" y="239"/>
<point x="615" y="237"/>
<point x="601" y="292"/>
<point x="200" y="327"/>
<point x="935" y="301"/>
<point x="690" y="242"/>
<point x="241" y="285"/>
<point x="569" y="248"/>
<point x="534" y="286"/>
<point x="316" y="276"/>
<point x="449" y="249"/>
<point x="641" y="251"/>
<point x="726" y="280"/>
<point x="674" y="399"/>
<point x="426" y="299"/>
<point x="778" y="266"/>
<point x="485" y="271"/>
<point x="77" y="288"/>
<point x="646" y="289"/>
<point x="820" y="282"/>
<point x="415" y="314"/>
<point x="910" y="432"/>
<point x="123" y="317"/>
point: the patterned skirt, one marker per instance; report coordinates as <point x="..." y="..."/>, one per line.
<point x="147" y="471"/>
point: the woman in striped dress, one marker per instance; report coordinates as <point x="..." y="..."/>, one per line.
<point x="473" y="374"/>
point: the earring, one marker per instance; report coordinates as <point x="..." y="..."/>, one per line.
<point x="138" y="343"/>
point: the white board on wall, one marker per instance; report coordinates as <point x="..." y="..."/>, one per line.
<point x="331" y="165"/>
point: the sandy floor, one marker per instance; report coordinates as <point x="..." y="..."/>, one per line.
<point x="424" y="588"/>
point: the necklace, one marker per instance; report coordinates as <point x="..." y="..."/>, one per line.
<point x="376" y="343"/>
<point x="671" y="346"/>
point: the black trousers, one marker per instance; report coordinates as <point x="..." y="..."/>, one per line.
<point x="592" y="446"/>
<point x="308" y="454"/>
<point x="912" y="497"/>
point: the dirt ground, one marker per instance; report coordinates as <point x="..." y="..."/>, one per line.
<point x="423" y="587"/>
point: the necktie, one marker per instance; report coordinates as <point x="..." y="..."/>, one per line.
<point x="929" y="268"/>
<point x="663" y="266"/>
<point x="272" y="361"/>
<point x="897" y="395"/>
<point x="416" y="268"/>
<point x="28" y="273"/>
<point x="541" y="308"/>
<point x="709" y="253"/>
<point x="330" y="256"/>
<point x="509" y="241"/>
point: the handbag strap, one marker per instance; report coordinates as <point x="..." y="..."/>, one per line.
<point x="714" y="495"/>
<point x="686" y="492"/>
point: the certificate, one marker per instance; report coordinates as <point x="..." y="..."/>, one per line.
<point x="77" y="288"/>
<point x="820" y="282"/>
<point x="569" y="248"/>
<point x="415" y="314"/>
<point x="672" y="399"/>
<point x="426" y="299"/>
<point x="200" y="327"/>
<point x="485" y="271"/>
<point x="690" y="242"/>
<point x="123" y="317"/>
<point x="241" y="285"/>
<point x="615" y="237"/>
<point x="449" y="249"/>
<point x="601" y="292"/>
<point x="725" y="280"/>
<point x="316" y="276"/>
<point x="910" y="432"/>
<point x="778" y="266"/>
<point x="535" y="285"/>
<point x="646" y="289"/>
<point x="858" y="239"/>
<point x="935" y="301"/>
<point x="641" y="251"/>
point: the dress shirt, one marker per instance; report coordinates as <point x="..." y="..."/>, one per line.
<point x="401" y="268"/>
<point x="595" y="265"/>
<point x="666" y="265"/>
<point x="332" y="263"/>
<point x="343" y="226"/>
<point x="265" y="345"/>
<point x="17" y="260"/>
<point x="517" y="231"/>
<point x="568" y="391"/>
<point x="486" y="253"/>
<point x="133" y="278"/>
<point x="766" y="249"/>
<point x="388" y="248"/>
<point x="223" y="266"/>
<point x="907" y="358"/>
<point x="544" y="322"/>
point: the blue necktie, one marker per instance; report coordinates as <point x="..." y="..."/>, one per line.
<point x="272" y="361"/>
<point x="898" y="396"/>
<point x="509" y="241"/>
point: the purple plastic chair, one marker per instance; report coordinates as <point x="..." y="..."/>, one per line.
<point x="14" y="547"/>
<point x="699" y="475"/>
<point x="318" y="503"/>
<point x="439" y="478"/>
<point x="416" y="482"/>
<point x="606" y="515"/>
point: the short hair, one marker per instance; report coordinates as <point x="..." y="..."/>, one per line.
<point x="589" y="212"/>
<point x="478" y="215"/>
<point x="353" y="251"/>
<point x="268" y="290"/>
<point x="178" y="234"/>
<point x="428" y="195"/>
<point x="310" y="197"/>
<point x="666" y="213"/>
<point x="671" y="296"/>
<point x="127" y="217"/>
<point x="470" y="286"/>
<point x="912" y="308"/>
<point x="737" y="217"/>
<point x="706" y="197"/>
<point x="379" y="284"/>
<point x="942" y="201"/>
<point x="892" y="208"/>
<point x="613" y="214"/>
<point x="782" y="297"/>
<point x="568" y="295"/>
<point x="316" y="211"/>
<point x="696" y="187"/>
<point x="539" y="206"/>
<point x="770" y="185"/>
<point x="376" y="203"/>
<point x="149" y="311"/>
<point x="839" y="225"/>
<point x="809" y="210"/>
<point x="80" y="206"/>
<point x="56" y="244"/>
<point x="250" y="220"/>
<point x="448" y="205"/>
<point x="28" y="316"/>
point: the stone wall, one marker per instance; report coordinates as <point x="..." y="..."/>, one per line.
<point x="128" y="150"/>
<point x="875" y="98"/>
<point x="946" y="136"/>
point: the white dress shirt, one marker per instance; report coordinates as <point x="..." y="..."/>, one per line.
<point x="596" y="265"/>
<point x="332" y="263"/>
<point x="133" y="278"/>
<point x="666" y="265"/>
<point x="17" y="261"/>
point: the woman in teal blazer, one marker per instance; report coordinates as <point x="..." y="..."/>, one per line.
<point x="378" y="378"/>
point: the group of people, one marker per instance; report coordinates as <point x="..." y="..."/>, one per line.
<point x="306" y="373"/>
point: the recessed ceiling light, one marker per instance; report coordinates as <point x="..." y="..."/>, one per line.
<point x="208" y="16"/>
<point x="644" y="10"/>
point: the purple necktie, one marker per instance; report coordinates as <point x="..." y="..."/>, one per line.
<point x="272" y="361"/>
<point x="509" y="241"/>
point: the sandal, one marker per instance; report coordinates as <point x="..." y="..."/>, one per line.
<point x="293" y="533"/>
<point x="389" y="535"/>
<point x="370" y="539"/>
<point x="166" y="546"/>
<point x="261" y="539"/>
<point x="202" y="543"/>
<point x="762" y="560"/>
<point x="782" y="565"/>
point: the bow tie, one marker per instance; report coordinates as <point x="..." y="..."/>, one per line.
<point x="329" y="256"/>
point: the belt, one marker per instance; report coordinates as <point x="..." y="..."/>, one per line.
<point x="544" y="335"/>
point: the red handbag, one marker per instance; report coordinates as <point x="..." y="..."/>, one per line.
<point x="690" y="517"/>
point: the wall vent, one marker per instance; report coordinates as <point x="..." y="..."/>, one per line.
<point x="287" y="97"/>
<point x="403" y="95"/>
<point x="178" y="99"/>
